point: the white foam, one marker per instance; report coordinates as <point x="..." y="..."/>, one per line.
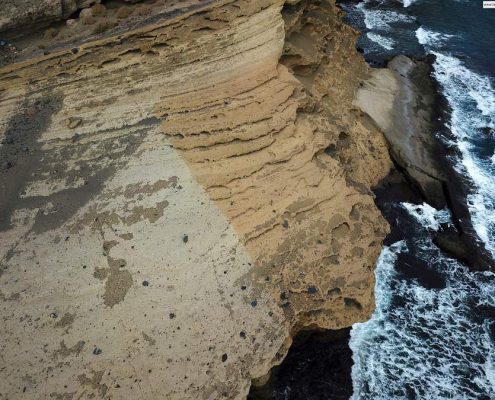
<point x="408" y="3"/>
<point x="429" y="38"/>
<point x="462" y="85"/>
<point x="386" y="43"/>
<point x="428" y="216"/>
<point x="423" y="343"/>
<point x="472" y="99"/>
<point x="382" y="19"/>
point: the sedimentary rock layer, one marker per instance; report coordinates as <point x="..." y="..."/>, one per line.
<point x="180" y="198"/>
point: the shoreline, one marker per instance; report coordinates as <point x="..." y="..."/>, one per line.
<point x="406" y="103"/>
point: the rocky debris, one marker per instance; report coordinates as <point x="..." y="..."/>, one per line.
<point x="73" y="122"/>
<point x="24" y="14"/>
<point x="211" y="119"/>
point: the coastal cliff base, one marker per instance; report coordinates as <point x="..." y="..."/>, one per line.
<point x="405" y="103"/>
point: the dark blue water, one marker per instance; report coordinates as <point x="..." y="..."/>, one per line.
<point x="434" y="338"/>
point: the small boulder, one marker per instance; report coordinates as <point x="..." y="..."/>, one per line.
<point x="73" y="122"/>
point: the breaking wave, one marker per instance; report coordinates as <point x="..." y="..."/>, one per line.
<point x="432" y="335"/>
<point x="472" y="100"/>
<point x="425" y="343"/>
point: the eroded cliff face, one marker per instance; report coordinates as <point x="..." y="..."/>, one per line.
<point x="180" y="196"/>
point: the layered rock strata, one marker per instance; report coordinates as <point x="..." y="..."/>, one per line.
<point x="180" y="198"/>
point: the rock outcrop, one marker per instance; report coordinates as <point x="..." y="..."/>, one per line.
<point x="181" y="194"/>
<point x="402" y="100"/>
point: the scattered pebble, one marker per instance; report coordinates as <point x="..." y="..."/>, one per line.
<point x="146" y="283"/>
<point x="242" y="334"/>
<point x="185" y="238"/>
<point x="312" y="290"/>
<point x="86" y="13"/>
<point x="254" y="303"/>
<point x="171" y="315"/>
<point x="224" y="357"/>
<point x="97" y="351"/>
<point x="285" y="224"/>
<point x="73" y="122"/>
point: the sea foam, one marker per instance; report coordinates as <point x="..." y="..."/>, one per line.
<point x="386" y="43"/>
<point x="472" y="99"/>
<point x="424" y="343"/>
<point x="428" y="216"/>
<point x="429" y="38"/>
<point x="382" y="19"/>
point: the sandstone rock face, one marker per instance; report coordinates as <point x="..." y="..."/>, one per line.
<point x="181" y="198"/>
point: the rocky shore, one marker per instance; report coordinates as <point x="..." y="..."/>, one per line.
<point x="404" y="101"/>
<point x="186" y="187"/>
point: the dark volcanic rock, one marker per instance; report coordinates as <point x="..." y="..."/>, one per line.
<point x="317" y="367"/>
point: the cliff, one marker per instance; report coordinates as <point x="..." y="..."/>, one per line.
<point x="184" y="188"/>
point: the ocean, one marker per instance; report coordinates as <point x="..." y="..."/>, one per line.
<point x="432" y="335"/>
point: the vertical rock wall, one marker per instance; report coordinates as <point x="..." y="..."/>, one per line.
<point x="182" y="198"/>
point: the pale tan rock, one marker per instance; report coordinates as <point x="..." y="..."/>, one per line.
<point x="71" y="22"/>
<point x="217" y="124"/>
<point x="73" y="122"/>
<point x="86" y="13"/>
<point x="400" y="100"/>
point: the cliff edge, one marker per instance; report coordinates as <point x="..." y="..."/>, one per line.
<point x="184" y="188"/>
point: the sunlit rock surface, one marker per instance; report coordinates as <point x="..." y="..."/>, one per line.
<point x="181" y="193"/>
